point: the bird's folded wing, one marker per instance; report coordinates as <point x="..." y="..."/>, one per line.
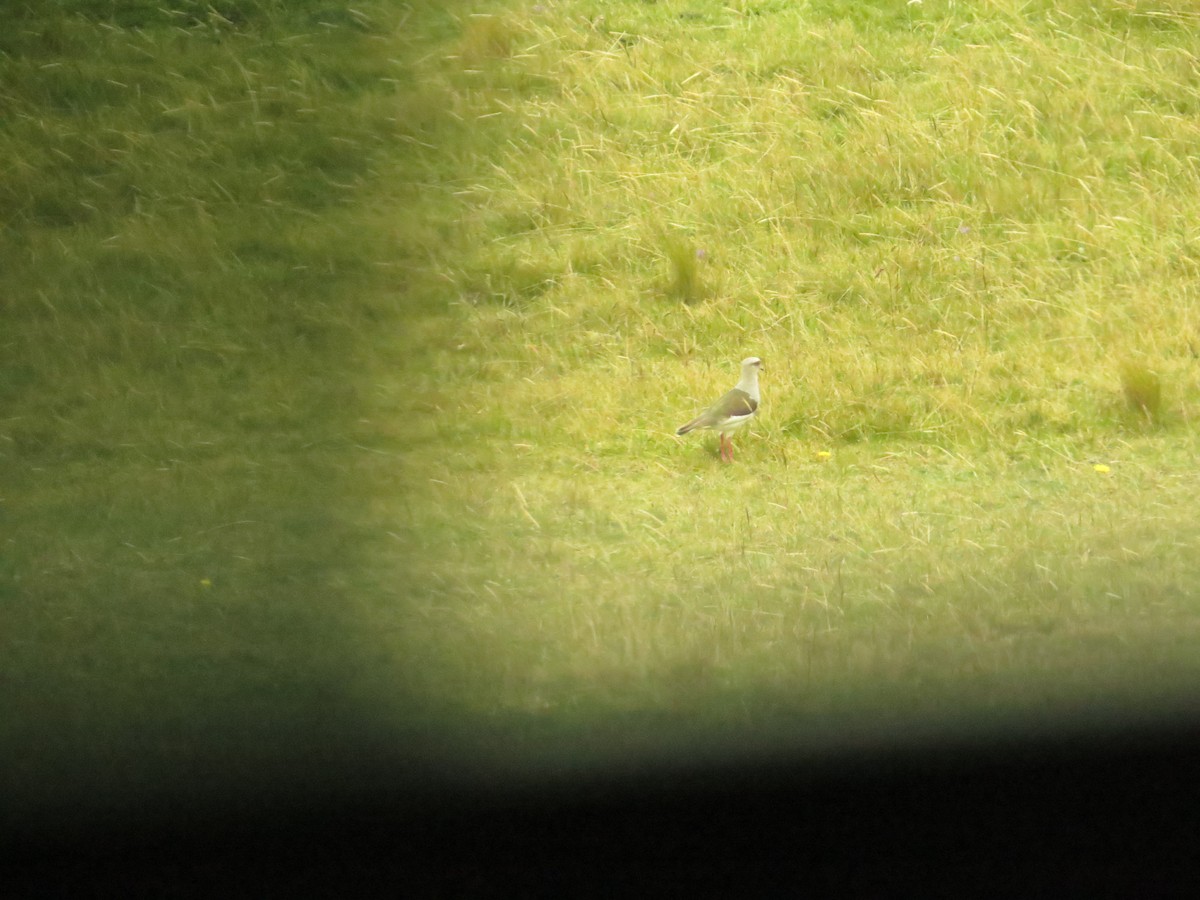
<point x="735" y="404"/>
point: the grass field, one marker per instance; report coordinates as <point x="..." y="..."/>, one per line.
<point x="344" y="351"/>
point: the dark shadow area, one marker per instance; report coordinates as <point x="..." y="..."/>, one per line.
<point x="1086" y="808"/>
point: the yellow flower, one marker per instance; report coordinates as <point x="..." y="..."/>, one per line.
<point x="205" y="583"/>
<point x="823" y="455"/>
<point x="1101" y="468"/>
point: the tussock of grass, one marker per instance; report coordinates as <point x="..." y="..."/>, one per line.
<point x="487" y="37"/>
<point x="685" y="261"/>
<point x="1143" y="391"/>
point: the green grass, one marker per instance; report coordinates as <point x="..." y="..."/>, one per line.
<point x="344" y="353"/>
<point x="189" y="272"/>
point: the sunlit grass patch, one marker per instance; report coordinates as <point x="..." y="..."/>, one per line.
<point x="938" y="279"/>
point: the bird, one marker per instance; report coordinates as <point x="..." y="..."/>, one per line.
<point x="733" y="410"/>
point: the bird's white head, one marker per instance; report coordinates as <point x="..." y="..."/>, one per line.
<point x="749" y="382"/>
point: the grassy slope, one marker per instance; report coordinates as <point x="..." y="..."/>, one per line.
<point x="344" y="352"/>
